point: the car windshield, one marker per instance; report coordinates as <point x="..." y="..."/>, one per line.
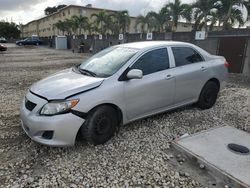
<point x="108" y="61"/>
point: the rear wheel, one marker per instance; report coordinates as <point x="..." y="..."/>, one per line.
<point x="100" y="125"/>
<point x="208" y="95"/>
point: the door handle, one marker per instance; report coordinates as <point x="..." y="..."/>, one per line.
<point x="203" y="68"/>
<point x="169" y="77"/>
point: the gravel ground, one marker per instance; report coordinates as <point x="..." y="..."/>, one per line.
<point x="140" y="155"/>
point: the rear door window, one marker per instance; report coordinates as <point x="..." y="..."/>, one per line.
<point x="185" y="56"/>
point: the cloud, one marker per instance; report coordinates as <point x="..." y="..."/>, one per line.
<point x="10" y="5"/>
<point x="26" y="10"/>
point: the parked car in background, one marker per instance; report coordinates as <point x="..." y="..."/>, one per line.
<point x="3" y="47"/>
<point x="29" y="41"/>
<point x="3" y="40"/>
<point x="118" y="85"/>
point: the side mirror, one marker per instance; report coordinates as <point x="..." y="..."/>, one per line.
<point x="135" y="74"/>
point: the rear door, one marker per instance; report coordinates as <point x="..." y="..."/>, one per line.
<point x="191" y="74"/>
<point x="155" y="90"/>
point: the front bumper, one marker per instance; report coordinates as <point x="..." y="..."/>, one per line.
<point x="64" y="126"/>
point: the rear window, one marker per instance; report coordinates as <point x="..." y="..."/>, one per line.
<point x="185" y="56"/>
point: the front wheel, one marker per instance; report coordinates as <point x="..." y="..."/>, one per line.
<point x="208" y="95"/>
<point x="100" y="125"/>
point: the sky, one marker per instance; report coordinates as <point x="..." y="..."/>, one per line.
<point x="24" y="11"/>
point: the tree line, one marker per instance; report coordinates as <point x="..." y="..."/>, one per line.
<point x="206" y="14"/>
<point x="51" y="10"/>
<point x="9" y="30"/>
<point x="115" y="23"/>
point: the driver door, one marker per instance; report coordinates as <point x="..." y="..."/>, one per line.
<point x="155" y="91"/>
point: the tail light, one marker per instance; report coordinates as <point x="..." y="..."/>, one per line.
<point x="226" y="64"/>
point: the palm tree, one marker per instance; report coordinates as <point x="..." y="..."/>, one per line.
<point x="80" y="22"/>
<point x="178" y="10"/>
<point x="233" y="11"/>
<point x="102" y="19"/>
<point x="203" y="10"/>
<point x="110" y="24"/>
<point x="69" y="26"/>
<point x="143" y="22"/>
<point x="90" y="27"/>
<point x="121" y="20"/>
<point x="152" y="21"/>
<point x="60" y="25"/>
<point x="159" y="20"/>
<point x="214" y="19"/>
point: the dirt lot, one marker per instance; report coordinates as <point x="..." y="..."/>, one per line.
<point x="140" y="155"/>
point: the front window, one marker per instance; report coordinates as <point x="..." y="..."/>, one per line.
<point x="153" y="61"/>
<point x="108" y="61"/>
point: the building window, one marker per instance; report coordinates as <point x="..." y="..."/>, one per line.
<point x="82" y="12"/>
<point x="63" y="13"/>
<point x="68" y="12"/>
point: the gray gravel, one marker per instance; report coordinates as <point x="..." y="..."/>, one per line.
<point x="140" y="155"/>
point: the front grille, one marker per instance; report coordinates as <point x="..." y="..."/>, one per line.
<point x="29" y="105"/>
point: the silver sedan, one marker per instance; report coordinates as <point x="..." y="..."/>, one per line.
<point x="118" y="85"/>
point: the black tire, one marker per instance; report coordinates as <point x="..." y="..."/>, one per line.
<point x="100" y="125"/>
<point x="208" y="95"/>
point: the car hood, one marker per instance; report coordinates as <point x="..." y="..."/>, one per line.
<point x="64" y="84"/>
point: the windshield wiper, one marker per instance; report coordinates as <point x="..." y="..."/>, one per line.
<point x="85" y="71"/>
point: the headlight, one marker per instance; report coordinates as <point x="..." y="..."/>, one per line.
<point x="58" y="107"/>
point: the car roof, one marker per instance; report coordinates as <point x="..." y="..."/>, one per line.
<point x="150" y="44"/>
<point x="146" y="45"/>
